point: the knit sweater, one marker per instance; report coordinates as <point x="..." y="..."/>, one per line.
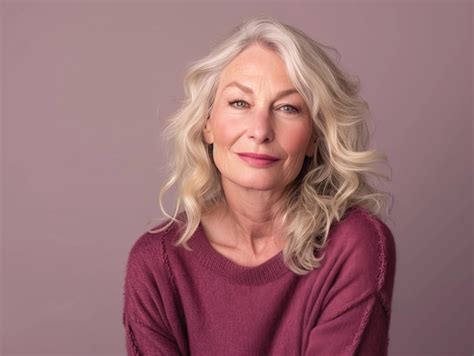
<point x="199" y="302"/>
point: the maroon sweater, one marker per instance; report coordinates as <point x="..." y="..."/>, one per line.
<point x="179" y="302"/>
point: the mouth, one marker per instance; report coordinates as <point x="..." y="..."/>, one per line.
<point x="258" y="156"/>
<point x="255" y="160"/>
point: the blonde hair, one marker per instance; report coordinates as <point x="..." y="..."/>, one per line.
<point x="334" y="179"/>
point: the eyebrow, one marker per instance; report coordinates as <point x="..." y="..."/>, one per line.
<point x="250" y="91"/>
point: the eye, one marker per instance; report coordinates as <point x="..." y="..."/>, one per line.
<point x="238" y="101"/>
<point x="292" y="109"/>
<point x="241" y="105"/>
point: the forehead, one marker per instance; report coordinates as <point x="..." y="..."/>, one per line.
<point x="256" y="64"/>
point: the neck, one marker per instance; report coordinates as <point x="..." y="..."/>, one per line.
<point x="250" y="220"/>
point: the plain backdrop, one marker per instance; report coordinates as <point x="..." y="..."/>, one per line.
<point x="86" y="87"/>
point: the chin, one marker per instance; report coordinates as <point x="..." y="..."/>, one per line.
<point x="257" y="183"/>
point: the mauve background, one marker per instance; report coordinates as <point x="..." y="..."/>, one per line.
<point x="85" y="89"/>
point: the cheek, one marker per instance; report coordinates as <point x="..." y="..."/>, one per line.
<point x="295" y="140"/>
<point x="225" y="130"/>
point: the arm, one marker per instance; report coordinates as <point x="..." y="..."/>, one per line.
<point x="147" y="329"/>
<point x="354" y="318"/>
<point x="142" y="340"/>
<point x="360" y="328"/>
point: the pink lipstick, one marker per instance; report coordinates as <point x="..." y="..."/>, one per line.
<point x="258" y="160"/>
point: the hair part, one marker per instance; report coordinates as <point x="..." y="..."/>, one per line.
<point x="334" y="179"/>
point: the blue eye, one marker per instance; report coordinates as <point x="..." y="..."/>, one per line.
<point x="293" y="109"/>
<point x="231" y="103"/>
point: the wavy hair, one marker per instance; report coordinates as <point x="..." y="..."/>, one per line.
<point x="334" y="179"/>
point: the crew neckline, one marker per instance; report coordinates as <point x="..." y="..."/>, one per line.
<point x="263" y="273"/>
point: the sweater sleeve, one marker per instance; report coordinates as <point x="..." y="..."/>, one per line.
<point x="361" y="328"/>
<point x="355" y="314"/>
<point x="142" y="340"/>
<point x="147" y="329"/>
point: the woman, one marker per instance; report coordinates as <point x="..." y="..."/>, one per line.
<point x="278" y="250"/>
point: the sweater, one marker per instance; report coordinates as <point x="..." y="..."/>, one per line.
<point x="199" y="302"/>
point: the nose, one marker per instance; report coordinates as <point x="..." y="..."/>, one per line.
<point x="261" y="126"/>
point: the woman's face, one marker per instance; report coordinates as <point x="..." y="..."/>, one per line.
<point x="257" y="110"/>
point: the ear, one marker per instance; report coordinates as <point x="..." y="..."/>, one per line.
<point x="207" y="132"/>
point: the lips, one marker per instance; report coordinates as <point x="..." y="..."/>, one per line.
<point x="256" y="161"/>
<point x="258" y="156"/>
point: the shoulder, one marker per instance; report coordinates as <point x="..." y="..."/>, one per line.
<point x="148" y="281"/>
<point x="364" y="235"/>
<point x="364" y="247"/>
<point x="147" y="251"/>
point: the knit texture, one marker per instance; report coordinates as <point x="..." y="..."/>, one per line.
<point x="179" y="302"/>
